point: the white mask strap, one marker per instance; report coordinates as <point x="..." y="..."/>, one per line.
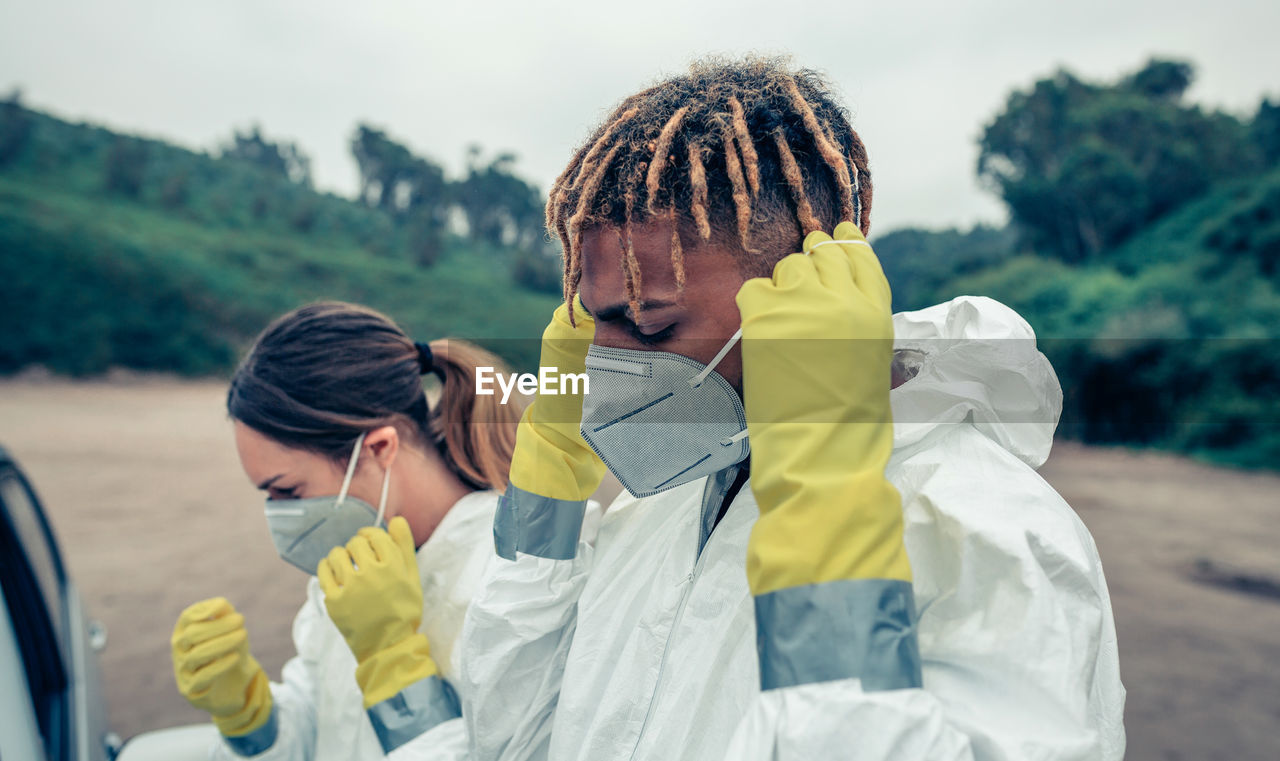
<point x="833" y="242"/>
<point x="382" y="501"/>
<point x="697" y="380"/>
<point x="351" y="469"/>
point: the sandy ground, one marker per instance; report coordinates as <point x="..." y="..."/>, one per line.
<point x="142" y="483"/>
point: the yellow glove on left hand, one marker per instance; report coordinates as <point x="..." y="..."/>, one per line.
<point x="826" y="560"/>
<point x="816" y="353"/>
<point x="374" y="596"/>
<point x="214" y="669"/>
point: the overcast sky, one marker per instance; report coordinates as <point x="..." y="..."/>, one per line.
<point x="921" y="78"/>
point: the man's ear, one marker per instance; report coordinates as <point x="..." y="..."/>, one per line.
<point x="384" y="444"/>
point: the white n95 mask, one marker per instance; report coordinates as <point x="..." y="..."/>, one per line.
<point x="305" y="530"/>
<point x="659" y="420"/>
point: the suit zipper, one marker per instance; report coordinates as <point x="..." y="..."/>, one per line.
<point x="662" y="664"/>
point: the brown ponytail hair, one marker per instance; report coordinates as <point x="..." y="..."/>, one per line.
<point x="326" y="372"/>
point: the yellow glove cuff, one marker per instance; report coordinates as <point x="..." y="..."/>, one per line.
<point x="385" y="673"/>
<point x="256" y="711"/>
<point x="831" y="530"/>
<point x="552" y="460"/>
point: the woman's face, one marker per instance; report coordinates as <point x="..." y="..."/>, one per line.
<point x="288" y="473"/>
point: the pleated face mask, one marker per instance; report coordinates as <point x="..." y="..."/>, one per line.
<point x="305" y="530"/>
<point x="659" y="420"/>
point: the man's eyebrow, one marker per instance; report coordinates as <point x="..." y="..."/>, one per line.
<point x="616" y="311"/>
<point x="270" y="481"/>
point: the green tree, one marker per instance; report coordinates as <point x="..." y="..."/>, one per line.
<point x="1083" y="166"/>
<point x="282" y="159"/>
<point x="501" y="208"/>
<point x="1161" y="79"/>
<point x="412" y="189"/>
<point x="126" y="166"/>
<point x="385" y="166"/>
<point x="427" y="210"/>
<point x="15" y="127"/>
<point x="1266" y="131"/>
<point x="538" y="269"/>
<point x="921" y="263"/>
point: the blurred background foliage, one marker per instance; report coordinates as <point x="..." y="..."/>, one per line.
<point x="1143" y="246"/>
<point x="122" y="251"/>
<point x="1144" y="249"/>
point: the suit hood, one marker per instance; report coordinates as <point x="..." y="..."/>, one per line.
<point x="974" y="360"/>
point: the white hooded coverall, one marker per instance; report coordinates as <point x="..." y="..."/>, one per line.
<point x="643" y="645"/>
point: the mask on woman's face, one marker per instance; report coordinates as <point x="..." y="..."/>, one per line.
<point x="305" y="530"/>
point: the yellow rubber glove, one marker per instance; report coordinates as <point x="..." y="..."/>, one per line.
<point x="816" y="353"/>
<point x="374" y="595"/>
<point x="214" y="670"/>
<point x="551" y="459"/>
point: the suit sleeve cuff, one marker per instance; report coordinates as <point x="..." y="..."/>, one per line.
<point x="412" y="711"/>
<point x="256" y="741"/>
<point x="536" y="525"/>
<point x="860" y="628"/>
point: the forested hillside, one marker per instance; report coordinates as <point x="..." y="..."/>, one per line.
<point x="1143" y="246"/>
<point x="121" y="251"/>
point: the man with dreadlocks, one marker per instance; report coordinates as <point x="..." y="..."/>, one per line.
<point x="808" y="565"/>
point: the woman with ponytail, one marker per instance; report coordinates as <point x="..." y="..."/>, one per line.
<point x="388" y="500"/>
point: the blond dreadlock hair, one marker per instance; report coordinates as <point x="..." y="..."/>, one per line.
<point x="751" y="154"/>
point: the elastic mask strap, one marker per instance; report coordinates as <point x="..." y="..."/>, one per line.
<point x="382" y="501"/>
<point x="351" y="470"/>
<point x="833" y="242"/>
<point x="697" y="380"/>
<point x="729" y="441"/>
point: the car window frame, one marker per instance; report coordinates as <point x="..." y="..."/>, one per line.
<point x="43" y="645"/>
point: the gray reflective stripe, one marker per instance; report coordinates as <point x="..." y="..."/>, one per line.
<point x="256" y="741"/>
<point x="713" y="495"/>
<point x="535" y="525"/>
<point x="864" y="628"/>
<point x="412" y="711"/>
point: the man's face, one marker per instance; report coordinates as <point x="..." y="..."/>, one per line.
<point x="695" y="323"/>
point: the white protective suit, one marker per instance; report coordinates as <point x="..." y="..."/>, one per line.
<point x="319" y="708"/>
<point x="644" y="645"/>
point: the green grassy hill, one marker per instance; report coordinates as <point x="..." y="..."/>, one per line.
<point x="173" y="262"/>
